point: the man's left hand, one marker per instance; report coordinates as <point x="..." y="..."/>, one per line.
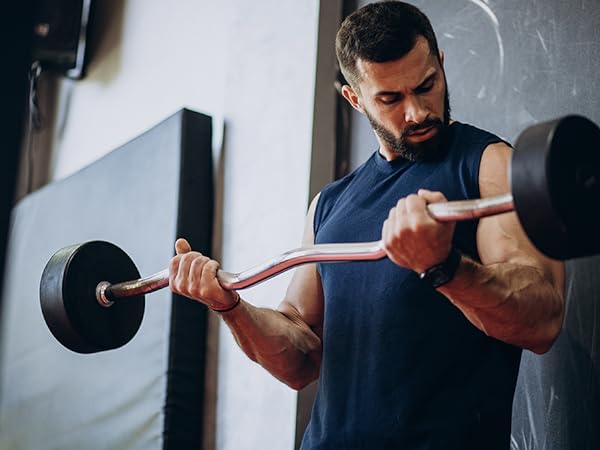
<point x="412" y="238"/>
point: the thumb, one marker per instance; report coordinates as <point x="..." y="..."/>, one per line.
<point x="182" y="246"/>
<point x="431" y="197"/>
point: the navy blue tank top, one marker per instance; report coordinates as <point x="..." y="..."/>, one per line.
<point x="402" y="367"/>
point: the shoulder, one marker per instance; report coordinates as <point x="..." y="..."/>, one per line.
<point x="470" y="134"/>
<point x="331" y="193"/>
<point x="470" y="150"/>
<point x="494" y="169"/>
<point x="493" y="154"/>
<point x="333" y="190"/>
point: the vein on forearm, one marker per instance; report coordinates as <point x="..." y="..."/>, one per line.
<point x="287" y="348"/>
<point x="512" y="302"/>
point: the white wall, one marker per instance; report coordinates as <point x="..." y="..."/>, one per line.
<point x="250" y="65"/>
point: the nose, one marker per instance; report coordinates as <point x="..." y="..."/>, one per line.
<point x="415" y="111"/>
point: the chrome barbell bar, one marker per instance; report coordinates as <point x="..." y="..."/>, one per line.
<point x="453" y="211"/>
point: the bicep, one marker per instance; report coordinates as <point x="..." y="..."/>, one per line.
<point x="303" y="300"/>
<point x="500" y="238"/>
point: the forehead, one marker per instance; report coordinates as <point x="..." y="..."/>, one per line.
<point x="398" y="75"/>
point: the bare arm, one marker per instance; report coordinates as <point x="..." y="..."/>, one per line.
<point x="286" y="341"/>
<point x="515" y="294"/>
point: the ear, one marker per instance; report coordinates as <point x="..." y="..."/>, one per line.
<point x="442" y="58"/>
<point x="352" y="97"/>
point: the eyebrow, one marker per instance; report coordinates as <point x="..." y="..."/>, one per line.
<point x="427" y="79"/>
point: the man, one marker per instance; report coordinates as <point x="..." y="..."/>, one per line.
<point x="420" y="350"/>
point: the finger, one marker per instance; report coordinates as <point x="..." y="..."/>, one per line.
<point x="387" y="236"/>
<point x="210" y="278"/>
<point x="415" y="204"/>
<point x="194" y="275"/>
<point x="417" y="213"/>
<point x="399" y="210"/>
<point x="401" y="204"/>
<point x="431" y="197"/>
<point x="385" y="231"/>
<point x="182" y="246"/>
<point x="173" y="270"/>
<point x="189" y="264"/>
<point x="209" y="274"/>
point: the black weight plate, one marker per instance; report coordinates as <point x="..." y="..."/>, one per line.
<point x="68" y="297"/>
<point x="555" y="183"/>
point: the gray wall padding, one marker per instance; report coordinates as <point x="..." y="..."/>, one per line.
<point x="149" y="393"/>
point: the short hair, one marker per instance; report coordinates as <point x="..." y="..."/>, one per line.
<point x="380" y="32"/>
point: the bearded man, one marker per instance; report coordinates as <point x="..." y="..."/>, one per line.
<point x="420" y="350"/>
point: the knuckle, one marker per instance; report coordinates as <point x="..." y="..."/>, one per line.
<point x="387" y="244"/>
<point x="197" y="262"/>
<point x="173" y="266"/>
<point x="414" y="200"/>
<point x="385" y="227"/>
<point x="212" y="264"/>
<point x="177" y="287"/>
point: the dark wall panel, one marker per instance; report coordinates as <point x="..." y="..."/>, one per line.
<point x="557" y="402"/>
<point x="149" y="393"/>
<point x="510" y="64"/>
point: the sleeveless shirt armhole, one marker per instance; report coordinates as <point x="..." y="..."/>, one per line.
<point x="322" y="203"/>
<point x="317" y="215"/>
<point x="330" y="193"/>
<point x="476" y="164"/>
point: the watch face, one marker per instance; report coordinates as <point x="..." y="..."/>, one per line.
<point x="438" y="276"/>
<point x="444" y="272"/>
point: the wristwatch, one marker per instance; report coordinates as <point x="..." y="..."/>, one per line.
<point x="442" y="273"/>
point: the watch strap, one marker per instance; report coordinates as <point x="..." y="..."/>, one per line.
<point x="444" y="272"/>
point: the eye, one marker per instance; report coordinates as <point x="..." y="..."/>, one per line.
<point x="424" y="88"/>
<point x="389" y="99"/>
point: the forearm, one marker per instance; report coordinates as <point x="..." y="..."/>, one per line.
<point x="282" y="344"/>
<point x="512" y="302"/>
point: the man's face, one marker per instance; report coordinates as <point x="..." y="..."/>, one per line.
<point x="406" y="102"/>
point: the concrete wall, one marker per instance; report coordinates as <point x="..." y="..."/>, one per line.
<point x="250" y="65"/>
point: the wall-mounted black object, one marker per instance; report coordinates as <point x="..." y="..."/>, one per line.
<point x="149" y="394"/>
<point x="59" y="42"/>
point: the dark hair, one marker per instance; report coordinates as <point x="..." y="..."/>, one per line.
<point x="380" y="32"/>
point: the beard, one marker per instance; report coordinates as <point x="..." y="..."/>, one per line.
<point x="428" y="150"/>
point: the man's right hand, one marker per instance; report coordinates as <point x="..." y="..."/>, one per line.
<point x="194" y="275"/>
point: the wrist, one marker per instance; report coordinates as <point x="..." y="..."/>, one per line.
<point x="444" y="272"/>
<point x="237" y="300"/>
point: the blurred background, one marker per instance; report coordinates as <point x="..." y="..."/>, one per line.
<point x="86" y="77"/>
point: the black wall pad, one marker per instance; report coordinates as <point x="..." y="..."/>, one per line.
<point x="15" y="48"/>
<point x="557" y="401"/>
<point x="149" y="393"/>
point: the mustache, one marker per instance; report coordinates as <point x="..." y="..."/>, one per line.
<point x="428" y="123"/>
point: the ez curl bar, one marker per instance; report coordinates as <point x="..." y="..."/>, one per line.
<point x="555" y="181"/>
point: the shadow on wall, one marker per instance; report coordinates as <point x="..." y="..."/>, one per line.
<point x="104" y="40"/>
<point x="209" y="437"/>
<point x="37" y="139"/>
